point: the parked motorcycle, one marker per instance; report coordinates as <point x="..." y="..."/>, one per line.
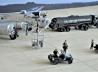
<point x="62" y="57"/>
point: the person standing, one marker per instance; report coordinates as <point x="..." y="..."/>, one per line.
<point x="65" y="46"/>
<point x="92" y="44"/>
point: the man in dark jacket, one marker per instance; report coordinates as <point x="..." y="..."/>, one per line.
<point x="55" y="52"/>
<point x="92" y="44"/>
<point x="65" y="46"/>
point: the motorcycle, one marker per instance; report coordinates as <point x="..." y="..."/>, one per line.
<point x="62" y="57"/>
<point x="96" y="47"/>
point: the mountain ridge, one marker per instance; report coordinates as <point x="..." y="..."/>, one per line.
<point x="18" y="7"/>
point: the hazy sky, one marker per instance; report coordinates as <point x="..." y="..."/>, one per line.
<point x="4" y="2"/>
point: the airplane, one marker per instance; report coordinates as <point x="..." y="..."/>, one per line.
<point x="39" y="13"/>
<point x="32" y="12"/>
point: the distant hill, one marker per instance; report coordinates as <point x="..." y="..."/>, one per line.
<point x="29" y="5"/>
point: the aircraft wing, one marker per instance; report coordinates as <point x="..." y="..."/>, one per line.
<point x="35" y="9"/>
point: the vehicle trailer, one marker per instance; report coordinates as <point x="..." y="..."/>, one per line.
<point x="65" y="23"/>
<point x="11" y="28"/>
